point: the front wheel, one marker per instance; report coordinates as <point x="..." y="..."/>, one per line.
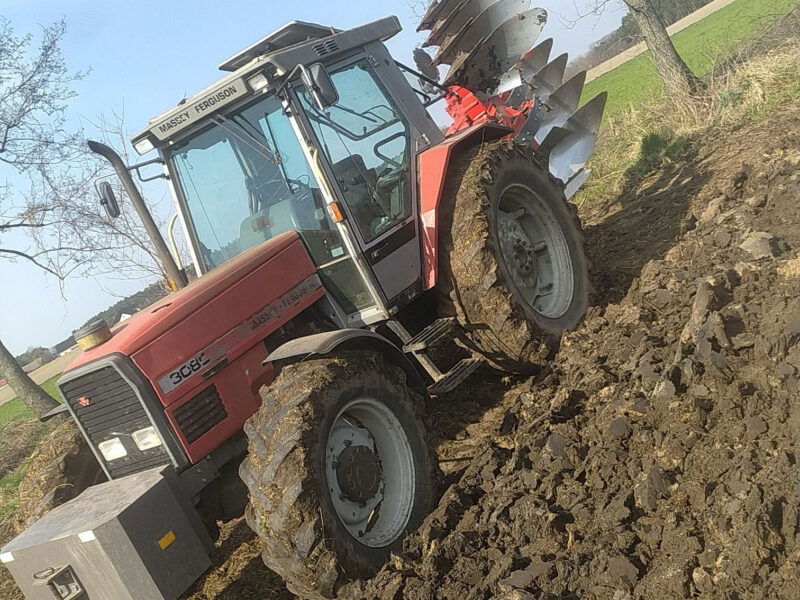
<point x="339" y="470"/>
<point x="514" y="271"/>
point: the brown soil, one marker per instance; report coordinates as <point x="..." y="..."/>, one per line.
<point x="238" y="573"/>
<point x="658" y="458"/>
<point x="18" y="440"/>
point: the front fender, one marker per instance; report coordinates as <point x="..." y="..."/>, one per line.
<point x="433" y="166"/>
<point x="321" y="344"/>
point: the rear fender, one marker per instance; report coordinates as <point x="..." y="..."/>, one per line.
<point x="328" y="342"/>
<point x="433" y="168"/>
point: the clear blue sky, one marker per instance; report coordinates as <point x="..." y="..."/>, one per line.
<point x="145" y="55"/>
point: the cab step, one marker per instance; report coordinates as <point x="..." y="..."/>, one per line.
<point x="434" y="332"/>
<point x="415" y="345"/>
<point x="455" y="376"/>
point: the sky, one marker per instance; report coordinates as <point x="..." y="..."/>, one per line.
<point x="144" y="57"/>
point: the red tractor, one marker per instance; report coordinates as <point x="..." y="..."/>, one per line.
<point x="338" y="235"/>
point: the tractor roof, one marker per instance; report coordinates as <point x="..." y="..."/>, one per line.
<point x="274" y="56"/>
<point x="291" y="34"/>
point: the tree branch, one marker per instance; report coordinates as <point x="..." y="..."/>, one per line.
<point x="27" y="256"/>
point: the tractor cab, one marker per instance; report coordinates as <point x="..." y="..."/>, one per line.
<point x="314" y="131"/>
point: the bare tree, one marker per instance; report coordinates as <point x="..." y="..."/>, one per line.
<point x="49" y="215"/>
<point x="676" y="74"/>
<point x="47" y="173"/>
<point x="34" y="397"/>
<point x="678" y="78"/>
<point x="128" y="247"/>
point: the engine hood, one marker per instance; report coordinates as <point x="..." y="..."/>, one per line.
<point x="173" y="329"/>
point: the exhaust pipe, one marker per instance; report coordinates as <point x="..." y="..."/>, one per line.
<point x="164" y="255"/>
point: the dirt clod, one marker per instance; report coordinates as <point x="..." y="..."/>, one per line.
<point x="759" y="245"/>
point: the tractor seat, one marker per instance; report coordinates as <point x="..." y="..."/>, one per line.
<point x="296" y="212"/>
<point x="360" y="187"/>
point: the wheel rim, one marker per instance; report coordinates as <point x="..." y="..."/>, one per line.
<point x="370" y="472"/>
<point x="535" y="251"/>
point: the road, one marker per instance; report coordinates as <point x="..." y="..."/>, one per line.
<point x="638" y="49"/>
<point x="42" y="374"/>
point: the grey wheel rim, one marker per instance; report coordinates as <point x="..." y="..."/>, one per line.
<point x="535" y="251"/>
<point x="369" y="468"/>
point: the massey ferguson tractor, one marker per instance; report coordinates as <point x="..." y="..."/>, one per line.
<point x="338" y="235"/>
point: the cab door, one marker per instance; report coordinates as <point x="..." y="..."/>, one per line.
<point x="369" y="143"/>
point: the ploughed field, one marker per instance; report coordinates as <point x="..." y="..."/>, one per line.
<point x="656" y="456"/>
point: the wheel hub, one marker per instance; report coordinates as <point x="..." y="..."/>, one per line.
<point x="369" y="470"/>
<point x="359" y="473"/>
<point x="519" y="250"/>
<point x="535" y="251"/>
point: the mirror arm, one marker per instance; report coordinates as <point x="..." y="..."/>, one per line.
<point x="288" y="80"/>
<point x="167" y="261"/>
<point x="424" y="78"/>
<point x="142" y="178"/>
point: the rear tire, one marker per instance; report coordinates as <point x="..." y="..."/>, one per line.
<point x="513" y="269"/>
<point x="304" y="472"/>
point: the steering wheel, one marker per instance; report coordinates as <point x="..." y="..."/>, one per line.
<point x="301" y="185"/>
<point x="257" y="189"/>
<point x="391" y="178"/>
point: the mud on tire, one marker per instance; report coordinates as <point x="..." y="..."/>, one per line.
<point x="478" y="284"/>
<point x="291" y="507"/>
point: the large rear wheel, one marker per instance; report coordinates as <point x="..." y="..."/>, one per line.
<point x="514" y="271"/>
<point x="339" y="470"/>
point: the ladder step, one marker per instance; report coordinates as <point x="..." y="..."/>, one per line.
<point x="430" y="335"/>
<point x="453" y="378"/>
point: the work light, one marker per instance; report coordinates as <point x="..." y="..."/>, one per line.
<point x="146" y="438"/>
<point x="112" y="449"/>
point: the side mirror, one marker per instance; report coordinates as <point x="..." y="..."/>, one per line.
<point x="108" y="199"/>
<point x="319" y="86"/>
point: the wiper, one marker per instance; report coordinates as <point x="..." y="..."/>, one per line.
<point x="249" y="139"/>
<point x="281" y="166"/>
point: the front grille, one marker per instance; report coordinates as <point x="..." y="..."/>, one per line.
<point x="106" y="406"/>
<point x="200" y="414"/>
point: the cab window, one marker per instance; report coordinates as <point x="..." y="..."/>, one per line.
<point x="246" y="180"/>
<point x="366" y="141"/>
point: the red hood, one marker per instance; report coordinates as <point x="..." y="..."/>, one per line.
<point x="146" y="326"/>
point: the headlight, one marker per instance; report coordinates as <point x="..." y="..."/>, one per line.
<point x="143" y="146"/>
<point x="112" y="449"/>
<point x="258" y="81"/>
<point x="146" y="438"/>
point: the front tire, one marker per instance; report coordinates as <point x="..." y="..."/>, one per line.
<point x="514" y="271"/>
<point x="339" y="470"/>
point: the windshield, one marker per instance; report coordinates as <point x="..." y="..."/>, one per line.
<point x="246" y="180"/>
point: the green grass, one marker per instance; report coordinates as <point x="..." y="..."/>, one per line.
<point x="15" y="409"/>
<point x="8" y="491"/>
<point x="701" y="45"/>
<point x="49" y="386"/>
